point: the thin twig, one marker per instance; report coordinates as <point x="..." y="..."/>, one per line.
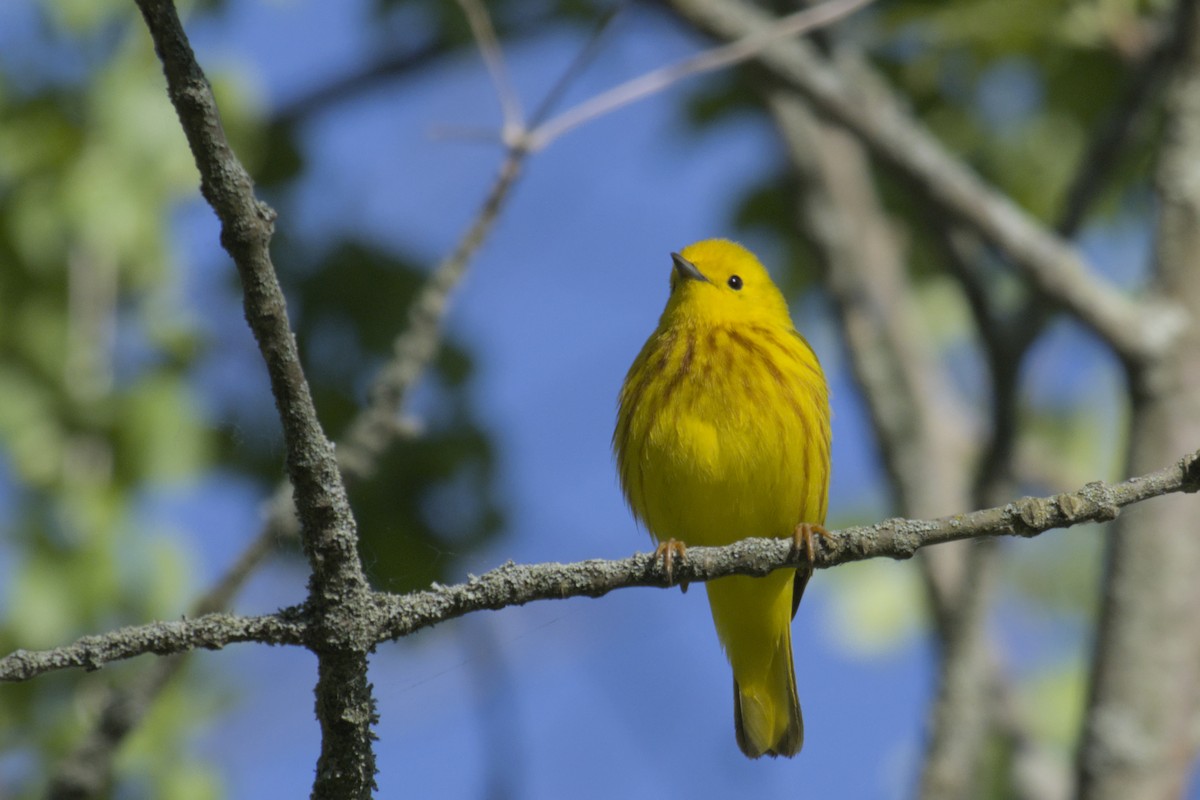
<point x="375" y="427"/>
<point x="485" y="39"/>
<point x="577" y="65"/>
<point x="1113" y="132"/>
<point x="743" y="49"/>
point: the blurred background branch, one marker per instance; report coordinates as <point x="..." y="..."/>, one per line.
<point x="1138" y="735"/>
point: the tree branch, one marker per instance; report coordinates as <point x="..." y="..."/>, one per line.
<point x="86" y="771"/>
<point x="246" y="228"/>
<point x="337" y="587"/>
<point x="514" y="584"/>
<point x="392" y="616"/>
<point x="210" y="632"/>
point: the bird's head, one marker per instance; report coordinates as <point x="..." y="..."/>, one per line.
<point x="716" y="281"/>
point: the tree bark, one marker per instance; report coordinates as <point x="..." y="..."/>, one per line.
<point x="1139" y="738"/>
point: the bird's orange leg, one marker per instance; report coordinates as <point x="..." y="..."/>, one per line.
<point x="802" y="538"/>
<point x="668" y="551"/>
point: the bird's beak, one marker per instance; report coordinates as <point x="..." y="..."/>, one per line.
<point x="686" y="269"/>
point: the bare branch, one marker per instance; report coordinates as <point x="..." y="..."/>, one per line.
<point x="376" y="427"/>
<point x="514" y="584"/>
<point x="744" y="49"/>
<point x="1053" y="266"/>
<point x="210" y="632"/>
<point x="392" y="616"/>
<point x="86" y="770"/>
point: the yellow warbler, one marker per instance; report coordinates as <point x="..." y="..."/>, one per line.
<point x="722" y="434"/>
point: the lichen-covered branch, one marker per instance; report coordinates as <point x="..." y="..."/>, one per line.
<point x="86" y="770"/>
<point x="210" y="632"/>
<point x="247" y="225"/>
<point x="391" y="616"/>
<point x="337" y="586"/>
<point x="515" y="584"/>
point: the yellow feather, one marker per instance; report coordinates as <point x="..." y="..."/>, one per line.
<point x="723" y="433"/>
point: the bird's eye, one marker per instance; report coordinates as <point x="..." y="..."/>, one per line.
<point x="734" y="282"/>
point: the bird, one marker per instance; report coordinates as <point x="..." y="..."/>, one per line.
<point x="723" y="433"/>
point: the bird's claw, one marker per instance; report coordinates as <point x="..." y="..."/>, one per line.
<point x="668" y="551"/>
<point x="803" y="537"/>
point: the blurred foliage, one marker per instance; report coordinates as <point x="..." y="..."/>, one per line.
<point x="876" y="607"/>
<point x="85" y="426"/>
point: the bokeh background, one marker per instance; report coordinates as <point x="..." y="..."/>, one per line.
<point x="139" y="443"/>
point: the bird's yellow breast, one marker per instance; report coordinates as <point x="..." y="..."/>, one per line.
<point x="723" y="433"/>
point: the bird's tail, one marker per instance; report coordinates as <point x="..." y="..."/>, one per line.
<point x="753" y="618"/>
<point x="766" y="714"/>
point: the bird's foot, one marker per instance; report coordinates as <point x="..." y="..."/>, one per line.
<point x="668" y="551"/>
<point x="803" y="539"/>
